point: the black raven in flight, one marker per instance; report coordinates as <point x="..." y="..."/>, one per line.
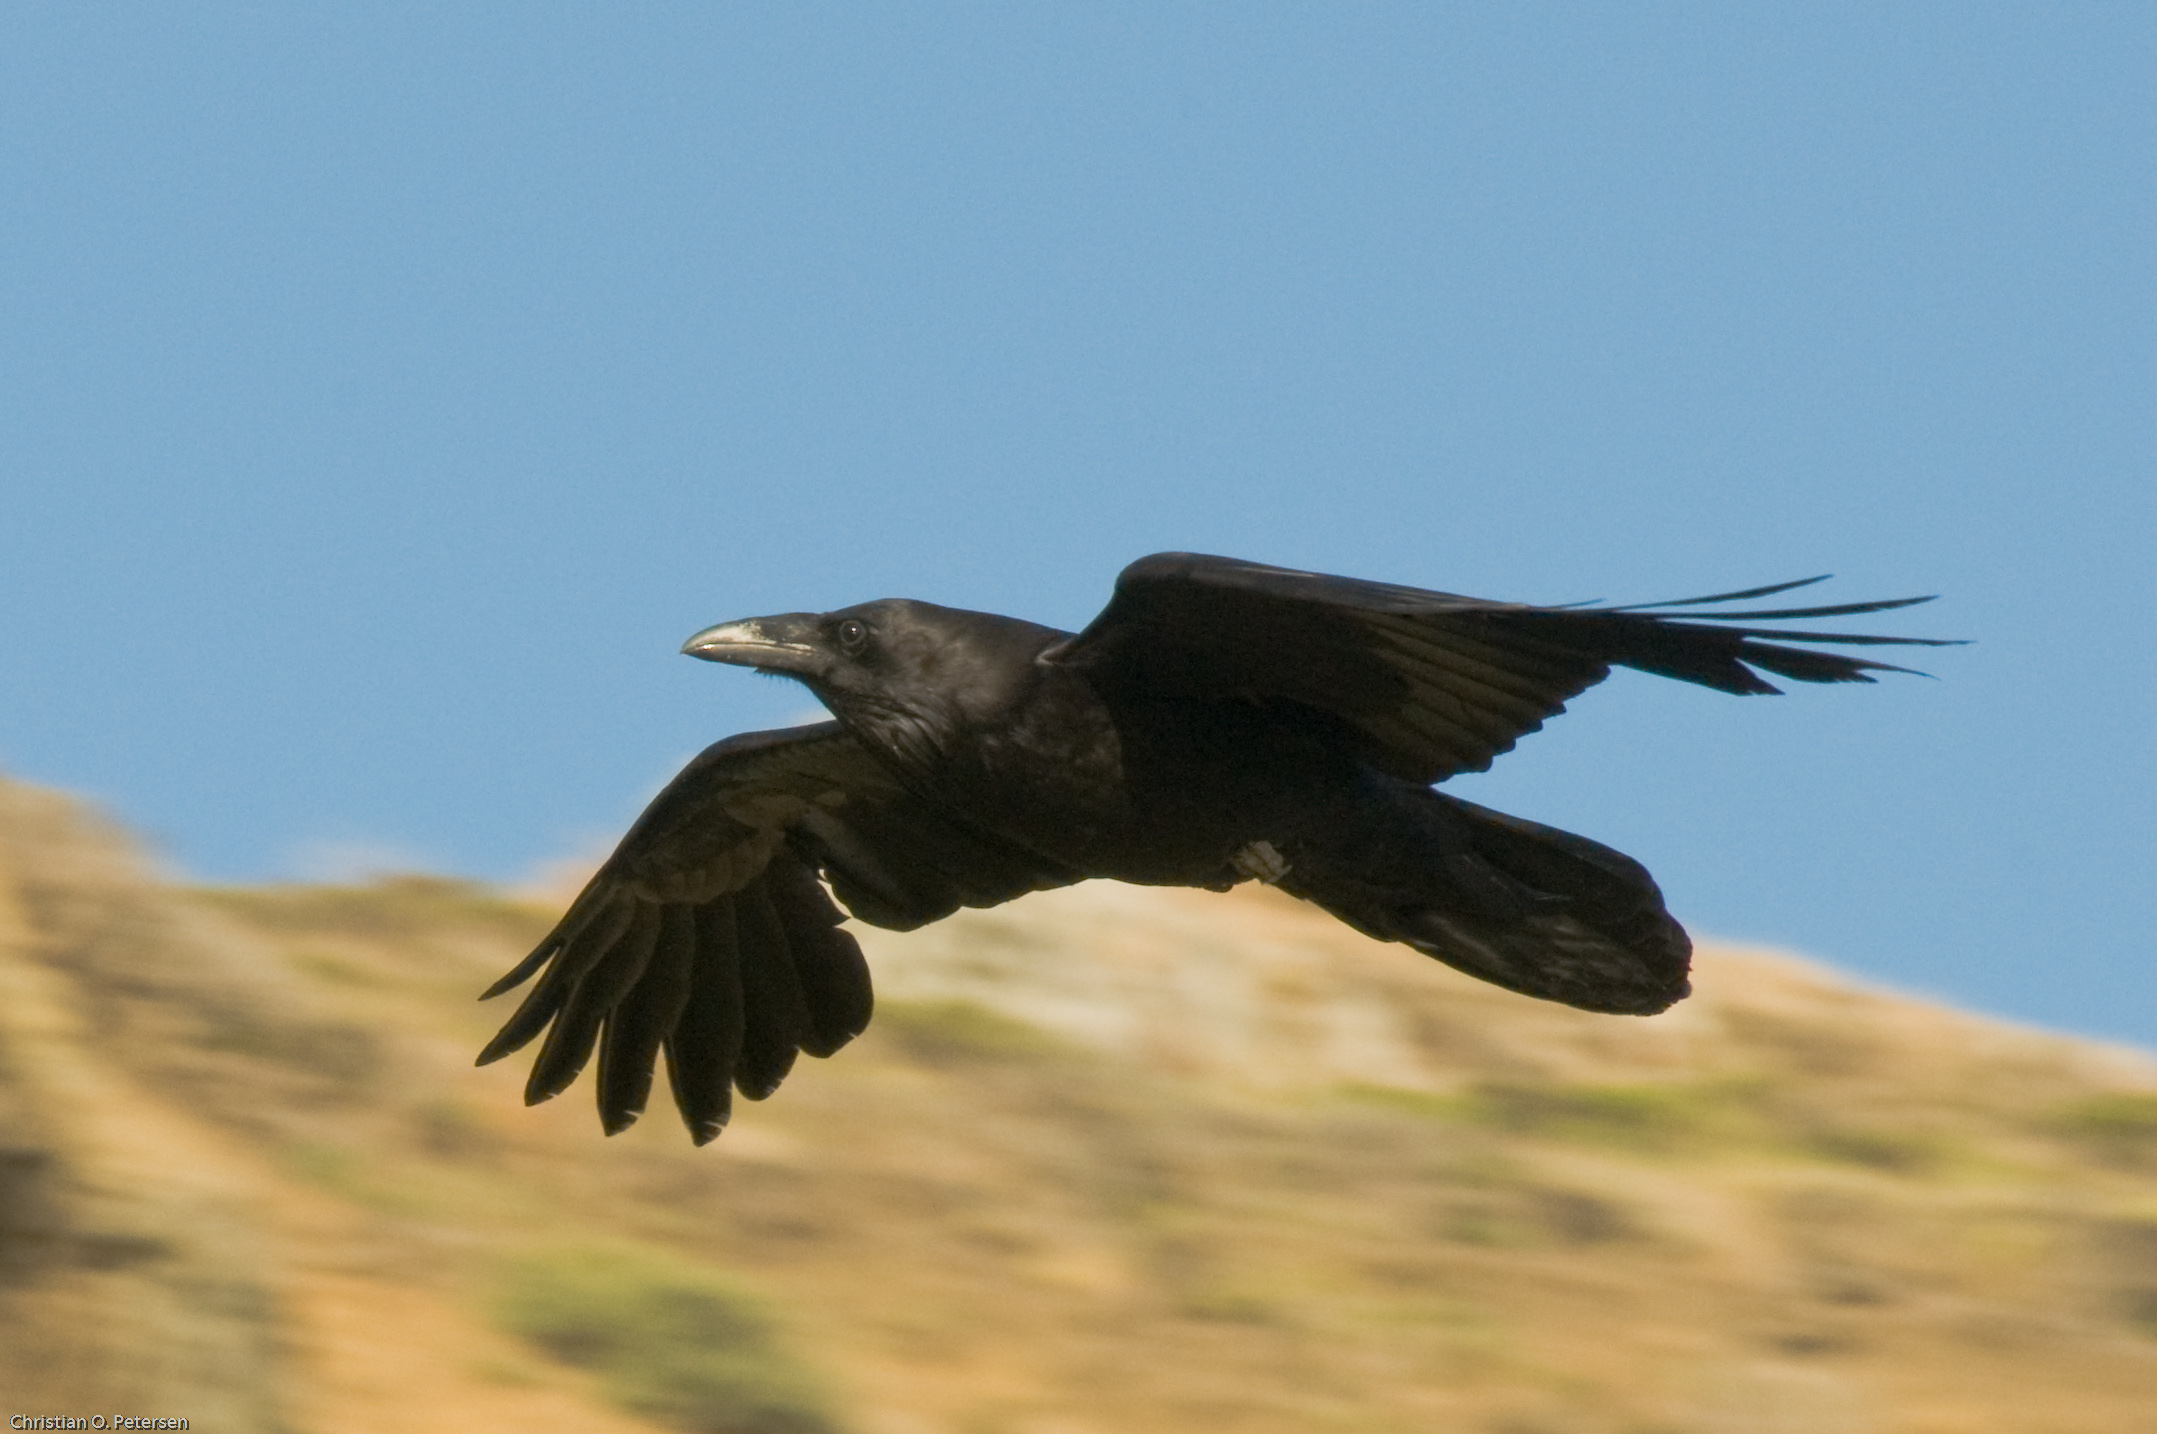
<point x="1218" y="721"/>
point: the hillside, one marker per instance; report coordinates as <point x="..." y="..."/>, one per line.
<point x="1109" y="1160"/>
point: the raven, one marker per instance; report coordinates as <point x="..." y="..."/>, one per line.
<point x="1219" y="721"/>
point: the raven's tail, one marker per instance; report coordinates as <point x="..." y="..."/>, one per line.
<point x="1523" y="906"/>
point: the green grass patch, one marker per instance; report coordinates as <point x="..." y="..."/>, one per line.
<point x="1894" y="1152"/>
<point x="1424" y="1104"/>
<point x="448" y="1129"/>
<point x="351" y="1175"/>
<point x="2119" y="1128"/>
<point x="1644" y="1119"/>
<point x="670" y="1343"/>
<point x="1526" y="1215"/>
<point x="342" y="1054"/>
<point x="961" y="1032"/>
<point x="335" y="969"/>
<point x="327" y="1167"/>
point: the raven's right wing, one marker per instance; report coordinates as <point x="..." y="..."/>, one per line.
<point x="1426" y="684"/>
<point x="707" y="935"/>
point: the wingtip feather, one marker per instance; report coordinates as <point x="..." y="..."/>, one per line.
<point x="517" y="975"/>
<point x="495" y="1049"/>
<point x="1741" y="596"/>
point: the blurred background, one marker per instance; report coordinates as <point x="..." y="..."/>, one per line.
<point x="389" y="389"/>
<point x="1109" y="1159"/>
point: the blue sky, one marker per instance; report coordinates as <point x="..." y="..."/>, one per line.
<point x="386" y="391"/>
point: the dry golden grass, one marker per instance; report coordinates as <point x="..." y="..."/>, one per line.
<point x="1108" y="1159"/>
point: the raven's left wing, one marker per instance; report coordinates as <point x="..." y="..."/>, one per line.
<point x="1427" y="684"/>
<point x="707" y="935"/>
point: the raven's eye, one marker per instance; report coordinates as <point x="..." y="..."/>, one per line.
<point x="852" y="635"/>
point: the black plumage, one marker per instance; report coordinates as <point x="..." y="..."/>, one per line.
<point x="1219" y="721"/>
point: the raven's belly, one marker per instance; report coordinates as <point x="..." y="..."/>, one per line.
<point x="1194" y="788"/>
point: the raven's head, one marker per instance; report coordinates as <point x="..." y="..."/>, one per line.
<point x="908" y="675"/>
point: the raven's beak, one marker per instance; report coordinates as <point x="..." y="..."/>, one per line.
<point x="786" y="643"/>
